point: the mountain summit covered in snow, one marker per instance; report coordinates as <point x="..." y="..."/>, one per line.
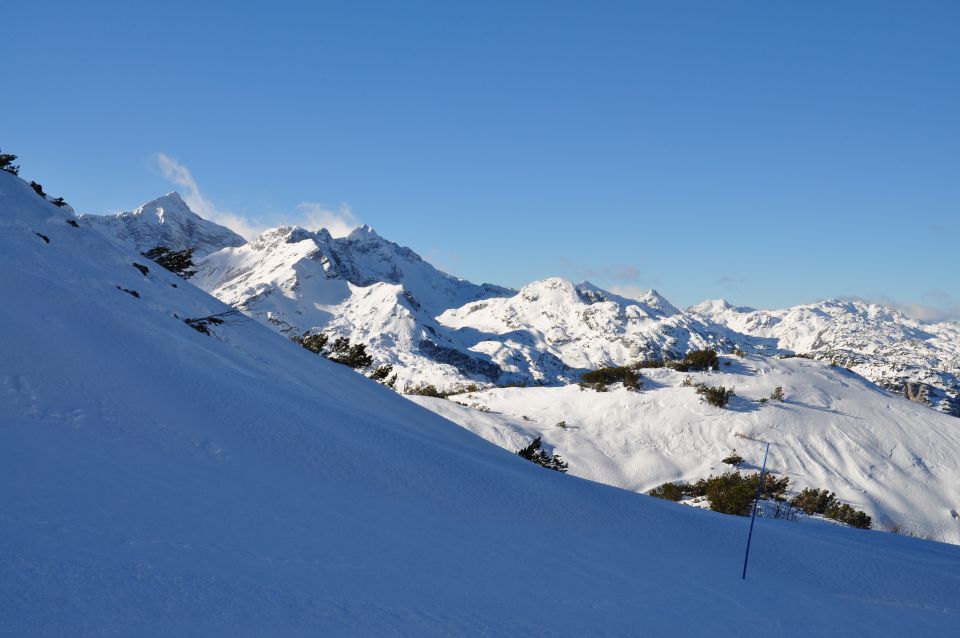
<point x="168" y="222"/>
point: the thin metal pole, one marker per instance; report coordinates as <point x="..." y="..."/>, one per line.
<point x="756" y="503"/>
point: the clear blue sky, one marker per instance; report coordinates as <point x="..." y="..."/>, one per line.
<point x="771" y="153"/>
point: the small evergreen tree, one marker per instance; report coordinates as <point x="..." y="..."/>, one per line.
<point x="669" y="491"/>
<point x="846" y="514"/>
<point x="718" y="396"/>
<point x="777" y="393"/>
<point x="536" y="454"/>
<point x="340" y="345"/>
<point x="354" y="356"/>
<point x="648" y="363"/>
<point x="7" y="163"/>
<point x="599" y="379"/>
<point x="38" y="189"/>
<point x="313" y="342"/>
<point x="697" y="360"/>
<point x="813" y="501"/>
<point x="733" y="459"/>
<point x="381" y="373"/>
<point x="429" y="390"/>
<point x="731" y="495"/>
<point x="59" y="203"/>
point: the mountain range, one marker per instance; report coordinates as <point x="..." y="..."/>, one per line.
<point x="435" y="329"/>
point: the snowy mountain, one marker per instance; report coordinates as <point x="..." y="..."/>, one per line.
<point x="361" y="286"/>
<point x="159" y="481"/>
<point x="553" y="330"/>
<point x="166" y="221"/>
<point x="437" y="329"/>
<point x="910" y="358"/>
<point x="886" y="455"/>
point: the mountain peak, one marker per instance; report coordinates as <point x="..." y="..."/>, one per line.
<point x="363" y="232"/>
<point x="166" y="221"/>
<point x="164" y="207"/>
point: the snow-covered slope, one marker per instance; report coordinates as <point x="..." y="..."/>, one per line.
<point x="896" y="460"/>
<point x="920" y="360"/>
<point x="166" y="221"/>
<point x="156" y="481"/>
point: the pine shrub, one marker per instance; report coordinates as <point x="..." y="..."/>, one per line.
<point x="702" y="360"/>
<point x="7" y="163"/>
<point x="648" y="363"/>
<point x="714" y="395"/>
<point x="813" y="501"/>
<point x="852" y="517"/>
<point x="429" y="390"/>
<point x="734" y="459"/>
<point x="354" y="356"/>
<point x="669" y="491"/>
<point x="313" y="342"/>
<point x="535" y="453"/>
<point x="599" y="379"/>
<point x="381" y="373"/>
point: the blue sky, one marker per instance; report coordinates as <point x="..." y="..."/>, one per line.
<point x="771" y="153"/>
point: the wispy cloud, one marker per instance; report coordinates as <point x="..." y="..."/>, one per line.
<point x="629" y="291"/>
<point x="612" y="272"/>
<point x="310" y="215"/>
<point x="730" y="283"/>
<point x="938" y="306"/>
<point x="314" y="216"/>
<point x="198" y="203"/>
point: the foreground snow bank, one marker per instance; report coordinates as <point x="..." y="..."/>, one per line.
<point x="157" y="481"/>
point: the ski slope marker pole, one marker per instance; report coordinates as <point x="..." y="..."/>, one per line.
<point x="756" y="504"/>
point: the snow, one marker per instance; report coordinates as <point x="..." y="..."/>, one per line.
<point x="580" y="327"/>
<point x="894" y="459"/>
<point x="880" y="343"/>
<point x="156" y="481"/>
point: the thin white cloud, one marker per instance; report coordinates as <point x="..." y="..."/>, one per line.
<point x="310" y="215"/>
<point x="182" y="177"/>
<point x="629" y="291"/>
<point x="943" y="306"/>
<point x="314" y="216"/>
<point x="610" y="272"/>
